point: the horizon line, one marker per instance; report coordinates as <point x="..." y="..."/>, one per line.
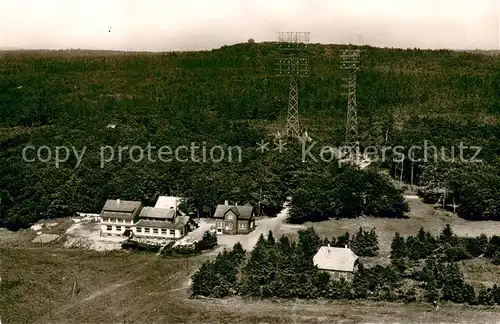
<point x="15" y="48"/>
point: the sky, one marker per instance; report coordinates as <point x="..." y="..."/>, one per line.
<point x="168" y="25"/>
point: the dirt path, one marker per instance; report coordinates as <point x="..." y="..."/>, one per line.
<point x="104" y="291"/>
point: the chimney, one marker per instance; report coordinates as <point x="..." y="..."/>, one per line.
<point x="328" y="244"/>
<point x="226" y="202"/>
<point x="117" y="201"/>
<point x="345" y="246"/>
<point x="236" y="204"/>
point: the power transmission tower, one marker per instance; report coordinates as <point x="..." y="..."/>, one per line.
<point x="350" y="62"/>
<point x="294" y="64"/>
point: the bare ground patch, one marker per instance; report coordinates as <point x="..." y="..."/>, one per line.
<point x="421" y="215"/>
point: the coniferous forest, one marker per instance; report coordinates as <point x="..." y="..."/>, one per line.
<point x="284" y="269"/>
<point x="231" y="97"/>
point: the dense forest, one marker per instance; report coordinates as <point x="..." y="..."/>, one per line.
<point x="231" y="97"/>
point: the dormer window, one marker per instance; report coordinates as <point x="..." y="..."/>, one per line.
<point x="230" y="216"/>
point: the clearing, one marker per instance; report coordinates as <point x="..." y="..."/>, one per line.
<point x="420" y="215"/>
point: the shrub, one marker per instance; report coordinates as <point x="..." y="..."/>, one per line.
<point x="475" y="246"/>
<point x="133" y="245"/>
<point x="493" y="246"/>
<point x="217" y="278"/>
<point x="457" y="253"/>
<point x="496" y="258"/>
<point x="208" y="241"/>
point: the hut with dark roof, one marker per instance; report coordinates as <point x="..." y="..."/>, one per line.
<point x="234" y="219"/>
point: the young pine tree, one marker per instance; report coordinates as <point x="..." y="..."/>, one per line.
<point x="238" y="252"/>
<point x="398" y="247"/>
<point x="359" y="243"/>
<point x="447" y="235"/>
<point x="308" y="243"/>
<point x="432" y="292"/>
<point x="453" y="288"/>
<point x="421" y="234"/>
<point x="270" y="239"/>
<point x="372" y="243"/>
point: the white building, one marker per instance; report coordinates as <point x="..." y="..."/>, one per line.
<point x="161" y="224"/>
<point x="157" y="224"/>
<point x="117" y="216"/>
<point x="338" y="262"/>
<point x="168" y="202"/>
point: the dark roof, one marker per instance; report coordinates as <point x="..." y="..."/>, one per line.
<point x="246" y="211"/>
<point x="122" y="215"/>
<point x="179" y="222"/>
<point x="221" y="210"/>
<point x="127" y="206"/>
<point x="157" y="224"/>
<point x="161" y="213"/>
<point x="241" y="212"/>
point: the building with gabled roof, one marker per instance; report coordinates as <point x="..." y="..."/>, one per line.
<point x="118" y="215"/>
<point x="154" y="213"/>
<point x="148" y="224"/>
<point x="162" y="224"/>
<point x="234" y="219"/>
<point x="337" y="261"/>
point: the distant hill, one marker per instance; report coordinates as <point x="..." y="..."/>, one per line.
<point x="484" y="52"/>
<point x="231" y="96"/>
<point x="238" y="82"/>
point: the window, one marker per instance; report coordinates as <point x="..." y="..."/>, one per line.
<point x="172" y="232"/>
<point x="127" y="228"/>
<point x="242" y="226"/>
<point x="155" y="231"/>
<point x="146" y="230"/>
<point x="163" y="231"/>
<point x="139" y="229"/>
<point x="220" y="225"/>
<point x="230" y="226"/>
<point x="230" y="216"/>
<point x="109" y="228"/>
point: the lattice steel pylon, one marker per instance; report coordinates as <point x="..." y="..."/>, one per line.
<point x="292" y="120"/>
<point x="350" y="62"/>
<point x="293" y="64"/>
